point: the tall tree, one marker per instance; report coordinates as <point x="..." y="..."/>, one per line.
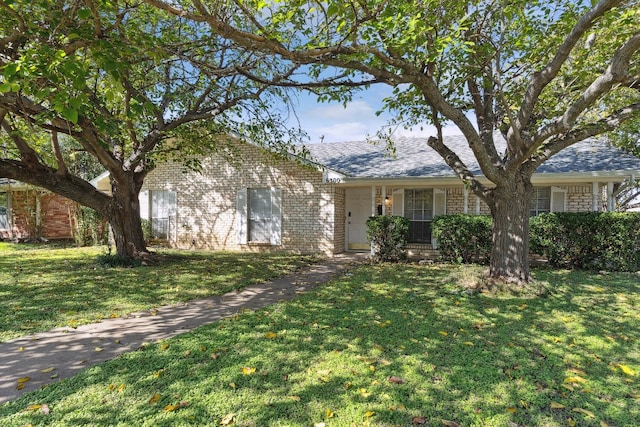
<point x="544" y="74"/>
<point x="129" y="85"/>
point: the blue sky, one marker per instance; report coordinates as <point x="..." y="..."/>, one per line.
<point x="332" y="122"/>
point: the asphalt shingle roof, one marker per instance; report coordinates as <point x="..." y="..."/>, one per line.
<point x="414" y="158"/>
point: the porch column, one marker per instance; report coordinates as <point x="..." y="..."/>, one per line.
<point x="465" y="207"/>
<point x="373" y="200"/>
<point x="596" y="197"/>
<point x="383" y="199"/>
<point x="477" y="205"/>
<point x="610" y="204"/>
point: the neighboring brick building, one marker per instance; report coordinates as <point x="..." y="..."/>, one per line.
<point x="258" y="203"/>
<point x="30" y="213"/>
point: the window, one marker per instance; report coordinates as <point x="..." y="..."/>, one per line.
<point x="159" y="207"/>
<point x="259" y="215"/>
<point x="418" y="208"/>
<point x="541" y="201"/>
<point x="4" y="211"/>
<point x="548" y="199"/>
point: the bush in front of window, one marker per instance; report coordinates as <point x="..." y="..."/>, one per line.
<point x="463" y="238"/>
<point x="588" y="240"/>
<point x="388" y="238"/>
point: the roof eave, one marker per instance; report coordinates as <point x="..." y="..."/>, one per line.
<point x="536" y="179"/>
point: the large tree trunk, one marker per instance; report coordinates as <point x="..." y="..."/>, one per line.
<point x="510" y="204"/>
<point x="123" y="215"/>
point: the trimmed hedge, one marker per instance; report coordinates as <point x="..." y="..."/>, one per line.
<point x="388" y="237"/>
<point x="590" y="240"/>
<point x="463" y="238"/>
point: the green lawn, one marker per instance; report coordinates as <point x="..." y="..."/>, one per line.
<point x="381" y="346"/>
<point x="42" y="287"/>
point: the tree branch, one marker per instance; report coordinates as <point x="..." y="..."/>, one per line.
<point x="616" y="72"/>
<point x="542" y="78"/>
<point x="604" y="125"/>
<point x="62" y="167"/>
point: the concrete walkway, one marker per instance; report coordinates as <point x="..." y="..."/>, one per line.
<point x="61" y="353"/>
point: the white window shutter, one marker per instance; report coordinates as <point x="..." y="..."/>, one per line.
<point x="276" y="216"/>
<point x="241" y="214"/>
<point x="172" y="203"/>
<point x="398" y="202"/>
<point x="143" y="198"/>
<point x="439" y="202"/>
<point x="558" y="200"/>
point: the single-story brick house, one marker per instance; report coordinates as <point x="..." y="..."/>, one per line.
<point x="27" y="212"/>
<point x="261" y="203"/>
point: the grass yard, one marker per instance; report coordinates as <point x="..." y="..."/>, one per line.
<point x="43" y="287"/>
<point x="382" y="346"/>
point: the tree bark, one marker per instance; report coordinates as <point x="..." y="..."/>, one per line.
<point x="123" y="215"/>
<point x="510" y="205"/>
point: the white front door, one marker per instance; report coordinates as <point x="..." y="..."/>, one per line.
<point x="358" y="210"/>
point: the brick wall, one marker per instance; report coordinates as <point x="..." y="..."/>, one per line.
<point x="579" y="197"/>
<point x="206" y="202"/>
<point x="54" y="216"/>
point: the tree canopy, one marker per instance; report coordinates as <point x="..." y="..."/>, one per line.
<point x="544" y="74"/>
<point x="130" y="85"/>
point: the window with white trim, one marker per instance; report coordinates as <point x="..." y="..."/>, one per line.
<point x="420" y="206"/>
<point x="540" y="201"/>
<point x="4" y="210"/>
<point x="548" y="199"/>
<point x="259" y="214"/>
<point x="160" y="208"/>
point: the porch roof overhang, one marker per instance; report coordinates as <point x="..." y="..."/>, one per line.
<point x="540" y="179"/>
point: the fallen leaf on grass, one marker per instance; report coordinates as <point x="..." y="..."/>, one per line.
<point x="227" y="420"/>
<point x="270" y="335"/>
<point x="154" y="398"/>
<point x="512" y="410"/>
<point x="171" y="408"/>
<point x="571" y="422"/>
<point x="448" y="423"/>
<point x="248" y="371"/>
<point x="418" y="421"/>
<point x="604" y="424"/>
<point x="328" y="413"/>
<point x="363" y="392"/>
<point x="555" y="405"/>
<point x="369" y="414"/>
<point x="443" y="333"/>
<point x="584" y="412"/>
<point x="574" y="380"/>
<point x="294" y="398"/>
<point x="627" y="370"/>
<point x="49" y="369"/>
<point x="98" y="349"/>
<point x="396" y="380"/>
